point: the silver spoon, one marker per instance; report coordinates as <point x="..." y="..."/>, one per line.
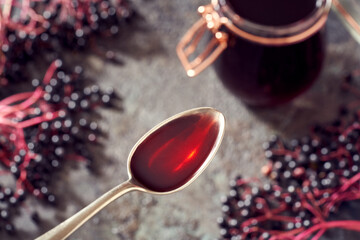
<point x="165" y="160"/>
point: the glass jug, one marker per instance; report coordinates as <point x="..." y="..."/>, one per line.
<point x="265" y="55"/>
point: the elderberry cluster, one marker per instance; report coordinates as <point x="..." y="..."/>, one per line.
<point x="308" y="179"/>
<point x="55" y="128"/>
<point x="247" y="205"/>
<point x="54" y="26"/>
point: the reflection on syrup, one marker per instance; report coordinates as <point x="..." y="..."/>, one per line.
<point x="171" y="155"/>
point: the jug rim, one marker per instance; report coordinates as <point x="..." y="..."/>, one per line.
<point x="270" y="35"/>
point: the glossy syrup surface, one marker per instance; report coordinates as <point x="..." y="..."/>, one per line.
<point x="273" y="12"/>
<point x="171" y="155"/>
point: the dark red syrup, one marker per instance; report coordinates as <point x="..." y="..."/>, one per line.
<point x="268" y="75"/>
<point x="273" y="12"/>
<point x="171" y="155"/>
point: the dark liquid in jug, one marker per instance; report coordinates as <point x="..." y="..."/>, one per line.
<point x="268" y="75"/>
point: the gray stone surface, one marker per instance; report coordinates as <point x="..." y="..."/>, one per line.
<point x="154" y="86"/>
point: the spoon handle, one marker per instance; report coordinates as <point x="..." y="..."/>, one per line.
<point x="67" y="227"/>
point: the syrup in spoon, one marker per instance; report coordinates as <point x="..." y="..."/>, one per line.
<point x="166" y="159"/>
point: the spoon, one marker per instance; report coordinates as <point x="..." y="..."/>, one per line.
<point x="165" y="160"/>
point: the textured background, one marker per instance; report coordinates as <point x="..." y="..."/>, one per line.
<point x="154" y="86"/>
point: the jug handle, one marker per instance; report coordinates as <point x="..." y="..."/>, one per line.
<point x="210" y="20"/>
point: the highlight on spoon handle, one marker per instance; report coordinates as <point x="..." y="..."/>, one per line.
<point x="67" y="227"/>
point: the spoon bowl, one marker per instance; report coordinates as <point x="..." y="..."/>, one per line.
<point x="165" y="160"/>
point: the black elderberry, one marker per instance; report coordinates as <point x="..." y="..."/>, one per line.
<point x="314" y="184"/>
<point x="267" y="188"/>
<point x="224" y="233"/>
<point x="290" y="226"/>
<point x="245" y="212"/>
<point x="288" y="199"/>
<point x="342" y="164"/>
<point x="356" y="158"/>
<point x="9" y="228"/>
<point x="4" y="214"/>
<point x="35" y="82"/>
<point x="305" y="189"/>
<point x="259" y="206"/>
<point x="8" y="192"/>
<point x="292" y="165"/>
<point x="277" y="194"/>
<point x="75" y="96"/>
<point x="20" y="195"/>
<point x="13" y="200"/>
<point x="324" y="151"/>
<point x="106" y="100"/>
<point x="306" y="140"/>
<point x="287" y="175"/>
<point x="36" y="218"/>
<point x="87" y="91"/>
<point x="265" y="236"/>
<point x="306" y="149"/>
<point x="269" y="155"/>
<point x="66" y="139"/>
<point x="298" y="225"/>
<point x="278" y="165"/>
<point x="313" y="158"/>
<point x="85" y="104"/>
<point x="51" y="199"/>
<point x="18" y="159"/>
<point x="234" y="194"/>
<point x="255" y="191"/>
<point x="55" y="163"/>
<point x="15" y="171"/>
<point x="225" y="209"/>
<point x="328" y="166"/>
<point x="55" y="139"/>
<point x="294" y="143"/>
<point x="93" y="126"/>
<point x="355" y="169"/>
<point x="288" y="158"/>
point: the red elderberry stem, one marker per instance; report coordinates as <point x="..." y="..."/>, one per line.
<point x="38" y="93"/>
<point x="34" y="121"/>
<point x="20" y="181"/>
<point x="354" y="126"/>
<point x="347" y="185"/>
<point x="14" y="98"/>
<point x="314" y="208"/>
<point x="20" y="144"/>
<point x="280" y="235"/>
<point x="319" y="234"/>
<point x="336" y="154"/>
<point x="346" y="224"/>
<point x="7" y="10"/>
<point x="293" y="154"/>
<point x="314" y="211"/>
<point x="340" y="198"/>
<point x="51" y="70"/>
